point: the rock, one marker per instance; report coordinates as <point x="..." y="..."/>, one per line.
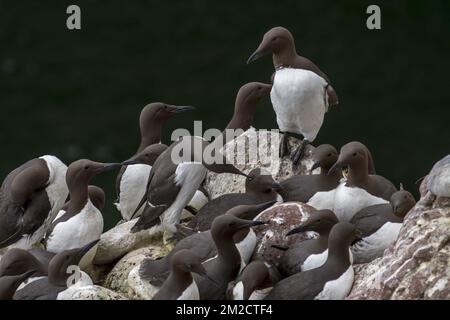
<point x="438" y="180"/>
<point x="261" y="150"/>
<point x="118" y="241"/>
<point x="117" y="279"/>
<point x="417" y="266"/>
<point x="141" y="288"/>
<point x="96" y="293"/>
<point x="283" y="218"/>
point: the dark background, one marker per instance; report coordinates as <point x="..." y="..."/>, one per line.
<point x="78" y="94"/>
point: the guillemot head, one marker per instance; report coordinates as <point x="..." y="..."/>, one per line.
<point x="250" y="94"/>
<point x="320" y="221"/>
<point x="147" y="156"/>
<point x="58" y="267"/>
<point x="261" y="181"/>
<point x="275" y="41"/>
<point x="159" y="112"/>
<point x="249" y="212"/>
<point x="343" y="233"/>
<point x="188" y="261"/>
<point x="18" y="261"/>
<point x="402" y="201"/>
<point x="82" y="171"/>
<point x="226" y="225"/>
<point x="324" y="156"/>
<point x="353" y="155"/>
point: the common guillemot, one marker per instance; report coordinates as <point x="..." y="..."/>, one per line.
<point x="333" y="280"/>
<point x="379" y="226"/>
<point x="301" y="92"/>
<point x="312" y="253"/>
<point x="9" y="284"/>
<point x="82" y="222"/>
<point x="30" y="197"/>
<point x="359" y="189"/>
<point x="131" y="182"/>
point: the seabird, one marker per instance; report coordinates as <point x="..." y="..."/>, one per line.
<point x="9" y="284"/>
<point x="180" y="285"/>
<point x="224" y="267"/>
<point x="156" y="271"/>
<point x="131" y="182"/>
<point x="301" y="92"/>
<point x="57" y="281"/>
<point x="254" y="282"/>
<point x="312" y="253"/>
<point x="332" y="281"/>
<point x="260" y="187"/>
<point x="379" y="226"/>
<point x="359" y="189"/>
<point x="30" y="197"/>
<point x="82" y="222"/>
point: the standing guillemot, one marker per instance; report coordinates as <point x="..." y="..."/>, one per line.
<point x="301" y="92"/>
<point x="379" y="226"/>
<point x="254" y="282"/>
<point x="359" y="189"/>
<point x="172" y="185"/>
<point x="318" y="189"/>
<point x="333" y="280"/>
<point x="260" y="187"/>
<point x="180" y="284"/>
<point x="224" y="267"/>
<point x="156" y="271"/>
<point x="132" y="180"/>
<point x="82" y="223"/>
<point x="30" y="197"/>
<point x="312" y="253"/>
<point x="48" y="288"/>
<point x="9" y="284"/>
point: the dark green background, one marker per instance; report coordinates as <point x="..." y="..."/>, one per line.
<point x="78" y="94"/>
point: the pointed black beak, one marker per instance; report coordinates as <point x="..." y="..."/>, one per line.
<point x="206" y="276"/>
<point x="296" y="230"/>
<point x="88" y="247"/>
<point x="314" y="166"/>
<point x="334" y="168"/>
<point x="180" y="109"/>
<point x="111" y="166"/>
<point x="256" y="55"/>
<point x="252" y="224"/>
<point x="130" y="162"/>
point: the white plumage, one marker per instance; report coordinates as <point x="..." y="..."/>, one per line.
<point x="300" y="101"/>
<point x="338" y="289"/>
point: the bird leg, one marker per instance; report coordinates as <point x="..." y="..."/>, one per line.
<point x="284" y="149"/>
<point x="299" y="153"/>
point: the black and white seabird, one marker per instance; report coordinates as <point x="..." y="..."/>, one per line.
<point x="17" y="261"/>
<point x="224" y="267"/>
<point x="254" y="282"/>
<point x="312" y="253"/>
<point x="57" y="281"/>
<point x="180" y="285"/>
<point x="332" y="281"/>
<point x="359" y="189"/>
<point x="301" y="92"/>
<point x="379" y="226"/>
<point x="82" y="222"/>
<point x="9" y="284"/>
<point x="172" y="185"/>
<point x="318" y="189"/>
<point x="156" y="271"/>
<point x="30" y="197"/>
<point x="260" y="187"/>
<point x="132" y="179"/>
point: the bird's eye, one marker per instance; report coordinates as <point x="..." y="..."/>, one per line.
<point x="231" y="224"/>
<point x="259" y="88"/>
<point x="274" y="38"/>
<point x="86" y="167"/>
<point x="318" y="220"/>
<point x="146" y="154"/>
<point x="329" y="154"/>
<point x="354" y="154"/>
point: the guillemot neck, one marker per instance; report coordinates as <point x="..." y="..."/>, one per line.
<point x="358" y="175"/>
<point x="150" y="135"/>
<point x="227" y="252"/>
<point x="78" y="192"/>
<point x="285" y="57"/>
<point x="337" y="250"/>
<point x="180" y="277"/>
